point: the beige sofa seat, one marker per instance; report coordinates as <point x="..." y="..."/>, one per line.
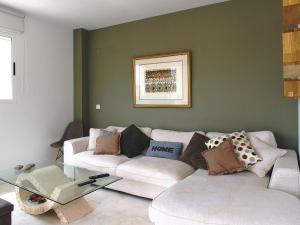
<point x="238" y="199"/>
<point x="100" y="163"/>
<point x="157" y="171"/>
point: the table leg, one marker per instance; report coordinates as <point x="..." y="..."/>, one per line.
<point x="73" y="211"/>
<point x="22" y="196"/>
<point x="66" y="213"/>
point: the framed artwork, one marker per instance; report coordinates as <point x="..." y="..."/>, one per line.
<point x="162" y="80"/>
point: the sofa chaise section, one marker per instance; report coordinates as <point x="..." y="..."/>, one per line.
<point x="237" y="199"/>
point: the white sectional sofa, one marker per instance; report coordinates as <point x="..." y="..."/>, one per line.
<point x="183" y="196"/>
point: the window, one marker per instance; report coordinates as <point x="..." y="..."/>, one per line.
<point x="6" y="68"/>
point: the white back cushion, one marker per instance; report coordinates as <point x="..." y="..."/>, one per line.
<point x="265" y="136"/>
<point x="269" y="155"/>
<point x="145" y="130"/>
<point x="174" y="136"/>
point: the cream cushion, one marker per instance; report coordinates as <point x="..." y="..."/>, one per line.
<point x="238" y="199"/>
<point x="145" y="130"/>
<point x="265" y="136"/>
<point x="268" y="154"/>
<point x="100" y="163"/>
<point x="158" y="171"/>
<point x="174" y="136"/>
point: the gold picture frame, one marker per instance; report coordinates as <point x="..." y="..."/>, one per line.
<point x="162" y="81"/>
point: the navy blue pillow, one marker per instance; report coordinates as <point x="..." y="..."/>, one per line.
<point x="164" y="149"/>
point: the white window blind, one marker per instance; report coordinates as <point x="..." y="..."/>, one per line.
<point x="11" y="21"/>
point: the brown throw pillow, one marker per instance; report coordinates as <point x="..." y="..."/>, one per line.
<point x="222" y="159"/>
<point x="108" y="145"/>
<point x="192" y="154"/>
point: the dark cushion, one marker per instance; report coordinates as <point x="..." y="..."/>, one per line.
<point x="164" y="149"/>
<point x="133" y="141"/>
<point x="5" y="207"/>
<point x="192" y="154"/>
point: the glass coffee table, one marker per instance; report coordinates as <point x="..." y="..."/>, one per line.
<point x="58" y="184"/>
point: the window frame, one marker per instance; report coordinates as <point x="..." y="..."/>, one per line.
<point x="13" y="60"/>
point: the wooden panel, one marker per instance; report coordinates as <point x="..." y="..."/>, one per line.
<point x="291" y="47"/>
<point x="292" y="88"/>
<point x="291" y="71"/>
<point x="291" y="15"/>
<point x="290" y="2"/>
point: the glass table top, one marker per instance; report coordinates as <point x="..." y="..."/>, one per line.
<point x="55" y="181"/>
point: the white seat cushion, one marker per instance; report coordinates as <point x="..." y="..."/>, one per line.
<point x="265" y="136"/>
<point x="238" y="199"/>
<point x="145" y="130"/>
<point x="101" y="163"/>
<point x="137" y="188"/>
<point x="174" y="136"/>
<point x="158" y="171"/>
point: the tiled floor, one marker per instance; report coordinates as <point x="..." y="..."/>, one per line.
<point x="110" y="208"/>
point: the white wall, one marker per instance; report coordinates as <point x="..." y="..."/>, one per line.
<point x="44" y="101"/>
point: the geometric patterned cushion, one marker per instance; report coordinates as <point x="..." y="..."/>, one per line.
<point x="242" y="147"/>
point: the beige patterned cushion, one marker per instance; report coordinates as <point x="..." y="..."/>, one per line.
<point x="242" y="147"/>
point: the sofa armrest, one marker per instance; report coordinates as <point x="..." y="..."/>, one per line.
<point x="74" y="146"/>
<point x="286" y="175"/>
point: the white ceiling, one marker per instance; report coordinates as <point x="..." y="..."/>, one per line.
<point x="93" y="14"/>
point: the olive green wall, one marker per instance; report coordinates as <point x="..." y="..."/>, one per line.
<point x="81" y="77"/>
<point x="236" y="70"/>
